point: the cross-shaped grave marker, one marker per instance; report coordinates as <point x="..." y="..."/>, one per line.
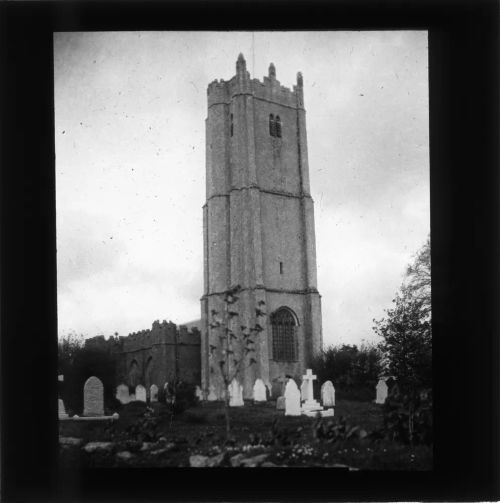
<point x="310" y="404"/>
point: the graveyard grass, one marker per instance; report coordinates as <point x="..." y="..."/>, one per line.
<point x="200" y="430"/>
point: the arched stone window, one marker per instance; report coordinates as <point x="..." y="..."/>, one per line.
<point x="278" y="126"/>
<point x="272" y="125"/>
<point x="284" y="333"/>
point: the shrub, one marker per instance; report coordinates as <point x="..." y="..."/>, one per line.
<point x="354" y="371"/>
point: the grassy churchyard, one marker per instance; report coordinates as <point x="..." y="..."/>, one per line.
<point x="150" y="436"/>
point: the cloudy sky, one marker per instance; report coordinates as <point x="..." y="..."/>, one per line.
<point x="130" y="161"/>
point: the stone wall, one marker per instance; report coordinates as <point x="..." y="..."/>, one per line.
<point x="155" y="356"/>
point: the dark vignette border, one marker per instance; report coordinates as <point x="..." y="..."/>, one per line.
<point x="464" y="83"/>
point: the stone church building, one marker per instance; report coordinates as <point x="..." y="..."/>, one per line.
<point x="258" y="224"/>
<point x="258" y="227"/>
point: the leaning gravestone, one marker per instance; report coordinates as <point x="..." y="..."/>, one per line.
<point x="235" y="394"/>
<point x="122" y="394"/>
<point x="292" y="399"/>
<point x="93" y="397"/>
<point x="140" y="393"/>
<point x="328" y="394"/>
<point x="153" y="393"/>
<point x="381" y="392"/>
<point x="62" y="409"/>
<point x="259" y="391"/>
<point x="304" y="391"/>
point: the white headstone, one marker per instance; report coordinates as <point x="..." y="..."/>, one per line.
<point x="199" y="393"/>
<point x="292" y="399"/>
<point x="93" y="397"/>
<point x="304" y="389"/>
<point x="328" y="394"/>
<point x="211" y="394"/>
<point x="153" y="393"/>
<point x="122" y="394"/>
<point x="140" y="393"/>
<point x="235" y="394"/>
<point x="60" y="378"/>
<point x="381" y="391"/>
<point x="259" y="391"/>
<point x="62" y="410"/>
<point x="310" y="404"/>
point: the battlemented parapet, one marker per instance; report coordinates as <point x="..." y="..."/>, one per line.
<point x="221" y="92"/>
<point x="158" y="355"/>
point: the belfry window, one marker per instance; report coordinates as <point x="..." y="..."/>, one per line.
<point x="284" y="333"/>
<point x="272" y="125"/>
<point x="278" y="126"/>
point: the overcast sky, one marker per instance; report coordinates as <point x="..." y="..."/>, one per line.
<point x="130" y="113"/>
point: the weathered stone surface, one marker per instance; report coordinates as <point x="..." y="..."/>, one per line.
<point x="382" y="391"/>
<point x="259" y="391"/>
<point x="280" y="403"/>
<point x="98" y="446"/>
<point x="304" y="388"/>
<point x="62" y="409"/>
<point x="93" y="397"/>
<point x="122" y="394"/>
<point x="235" y="394"/>
<point x="292" y="399"/>
<point x="254" y="461"/>
<point x="70" y="441"/>
<point x="235" y="461"/>
<point x="125" y="455"/>
<point x="328" y="394"/>
<point x="153" y="393"/>
<point x="198" y="461"/>
<point x="140" y="393"/>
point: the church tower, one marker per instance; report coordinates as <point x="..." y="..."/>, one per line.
<point x="258" y="223"/>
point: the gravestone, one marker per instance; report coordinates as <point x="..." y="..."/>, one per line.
<point x="310" y="404"/>
<point x="280" y="403"/>
<point x="328" y="394"/>
<point x="198" y="393"/>
<point x="304" y="391"/>
<point x="140" y="393"/>
<point x="235" y="394"/>
<point x="153" y="393"/>
<point x="259" y="391"/>
<point x="62" y="410"/>
<point x="93" y="397"/>
<point x="381" y="392"/>
<point x="292" y="399"/>
<point x="211" y="394"/>
<point x="60" y="378"/>
<point x="122" y="394"/>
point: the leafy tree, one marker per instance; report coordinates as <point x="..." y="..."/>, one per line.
<point x="418" y="277"/>
<point x="236" y="347"/>
<point x="77" y="362"/>
<point x="407" y="337"/>
<point x="352" y="369"/>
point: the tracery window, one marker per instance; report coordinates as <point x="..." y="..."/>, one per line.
<point x="284" y="333"/>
